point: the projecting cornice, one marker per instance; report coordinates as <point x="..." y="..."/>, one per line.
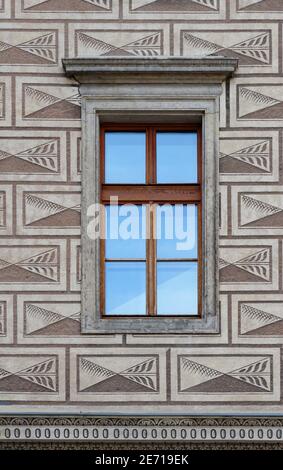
<point x="151" y="69"/>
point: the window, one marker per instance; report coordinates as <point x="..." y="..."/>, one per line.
<point x="177" y="100"/>
<point x="150" y="251"/>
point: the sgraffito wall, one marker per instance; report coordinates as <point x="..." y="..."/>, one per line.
<point x="45" y="363"/>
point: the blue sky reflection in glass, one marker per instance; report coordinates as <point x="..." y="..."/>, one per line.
<point x="125" y="231"/>
<point x="125" y="157"/>
<point x="176" y="157"/>
<point x="177" y="288"/>
<point x="125" y="288"/>
<point x="177" y="231"/>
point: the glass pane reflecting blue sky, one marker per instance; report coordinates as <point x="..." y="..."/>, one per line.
<point x="124" y="231"/>
<point x="125" y="157"/>
<point x="176" y="154"/>
<point x="125" y="292"/>
<point x="176" y="228"/>
<point x="177" y="288"/>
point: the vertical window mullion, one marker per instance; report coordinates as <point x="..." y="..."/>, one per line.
<point x="150" y="157"/>
<point x="153" y="154"/>
<point x="151" y="260"/>
<point x="102" y="261"/>
<point x="151" y="244"/>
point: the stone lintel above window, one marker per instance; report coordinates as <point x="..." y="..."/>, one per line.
<point x="88" y="69"/>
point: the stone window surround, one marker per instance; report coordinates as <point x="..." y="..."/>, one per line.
<point x="163" y="89"/>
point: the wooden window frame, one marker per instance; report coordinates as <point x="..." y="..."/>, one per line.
<point x="151" y="193"/>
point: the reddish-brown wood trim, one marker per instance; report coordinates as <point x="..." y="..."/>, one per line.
<point x="108" y="126"/>
<point x="174" y="260"/>
<point x="148" y="156"/>
<point x="151" y="261"/>
<point x="146" y="193"/>
<point x="153" y="155"/>
<point x="102" y="155"/>
<point x="151" y="193"/>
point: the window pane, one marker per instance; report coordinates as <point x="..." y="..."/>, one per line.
<point x="176" y="154"/>
<point x="125" y="292"/>
<point x="177" y="288"/>
<point x="125" y="157"/>
<point x="176" y="231"/>
<point x="125" y="231"/>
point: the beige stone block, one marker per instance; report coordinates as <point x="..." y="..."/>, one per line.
<point x="6" y="209"/>
<point x="34" y="374"/>
<point x="249" y="264"/>
<point x="68" y="9"/>
<point x="118" y="375"/>
<point x="209" y="10"/>
<point x="128" y="39"/>
<point x="48" y="210"/>
<point x="47" y="102"/>
<point x="257" y="209"/>
<point x="254" y="45"/>
<point x="75" y="265"/>
<point x="5" y="101"/>
<point x="256" y="102"/>
<point x="226" y="375"/>
<point x="249" y="156"/>
<point x="256" y="9"/>
<point x="6" y="319"/>
<point x="257" y="318"/>
<point x="32" y="265"/>
<point x="32" y="48"/>
<point x="36" y="155"/>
